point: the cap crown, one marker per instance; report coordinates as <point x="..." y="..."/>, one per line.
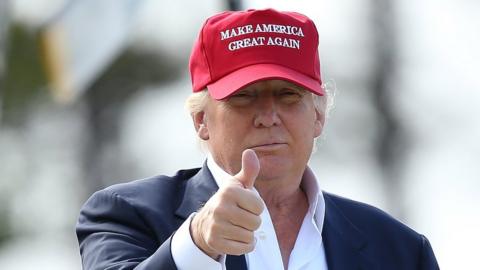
<point x="230" y="41"/>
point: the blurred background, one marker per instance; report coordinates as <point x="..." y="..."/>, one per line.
<point x="92" y="92"/>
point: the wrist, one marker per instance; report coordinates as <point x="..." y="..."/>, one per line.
<point x="199" y="240"/>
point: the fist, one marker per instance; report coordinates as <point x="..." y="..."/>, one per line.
<point x="226" y="224"/>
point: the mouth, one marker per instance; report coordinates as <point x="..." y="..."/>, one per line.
<point x="268" y="146"/>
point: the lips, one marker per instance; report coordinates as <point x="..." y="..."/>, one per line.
<point x="268" y="146"/>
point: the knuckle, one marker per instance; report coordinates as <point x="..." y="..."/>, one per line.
<point x="215" y="229"/>
<point x="227" y="194"/>
<point x="250" y="247"/>
<point x="256" y="222"/>
<point x="244" y="236"/>
<point x="210" y="240"/>
<point x="258" y="207"/>
<point x="221" y="196"/>
<point x="218" y="211"/>
<point x="229" y="190"/>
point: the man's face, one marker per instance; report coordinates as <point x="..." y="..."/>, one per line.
<point x="275" y="118"/>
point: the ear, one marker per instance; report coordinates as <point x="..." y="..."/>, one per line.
<point x="319" y="122"/>
<point x="200" y="125"/>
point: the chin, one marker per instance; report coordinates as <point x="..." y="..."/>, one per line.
<point x="268" y="176"/>
<point x="273" y="166"/>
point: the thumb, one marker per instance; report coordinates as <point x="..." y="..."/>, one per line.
<point x="250" y="168"/>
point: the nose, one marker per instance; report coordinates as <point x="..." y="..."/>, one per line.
<point x="266" y="112"/>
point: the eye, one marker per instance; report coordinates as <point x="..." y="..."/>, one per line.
<point x="241" y="98"/>
<point x="290" y="95"/>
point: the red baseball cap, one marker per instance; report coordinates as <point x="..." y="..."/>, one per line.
<point x="238" y="48"/>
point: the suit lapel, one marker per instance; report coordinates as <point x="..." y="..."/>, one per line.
<point x="343" y="242"/>
<point x="197" y="192"/>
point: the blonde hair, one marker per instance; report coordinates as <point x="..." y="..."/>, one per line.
<point x="197" y="101"/>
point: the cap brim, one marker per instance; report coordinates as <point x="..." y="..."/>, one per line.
<point x="240" y="78"/>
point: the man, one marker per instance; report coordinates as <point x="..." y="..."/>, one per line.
<point x="258" y="104"/>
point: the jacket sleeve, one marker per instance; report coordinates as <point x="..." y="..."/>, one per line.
<point x="428" y="260"/>
<point x="112" y="235"/>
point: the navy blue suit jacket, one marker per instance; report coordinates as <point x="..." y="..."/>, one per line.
<point x="129" y="226"/>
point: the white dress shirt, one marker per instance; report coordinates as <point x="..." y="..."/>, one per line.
<point x="308" y="252"/>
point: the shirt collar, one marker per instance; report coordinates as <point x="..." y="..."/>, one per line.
<point x="219" y="175"/>
<point x="314" y="194"/>
<point x="309" y="185"/>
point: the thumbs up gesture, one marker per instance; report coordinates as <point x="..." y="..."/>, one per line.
<point x="250" y="168"/>
<point x="226" y="224"/>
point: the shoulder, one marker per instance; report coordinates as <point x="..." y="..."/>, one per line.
<point x="138" y="203"/>
<point x="371" y="220"/>
<point x="393" y="244"/>
<point x="150" y="197"/>
<point x="160" y="188"/>
<point x="160" y="185"/>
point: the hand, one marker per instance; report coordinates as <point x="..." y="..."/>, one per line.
<point x="226" y="224"/>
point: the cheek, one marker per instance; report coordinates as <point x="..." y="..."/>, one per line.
<point x="307" y="123"/>
<point x="230" y="131"/>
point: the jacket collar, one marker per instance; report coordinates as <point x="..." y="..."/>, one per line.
<point x="344" y="243"/>
<point x="198" y="190"/>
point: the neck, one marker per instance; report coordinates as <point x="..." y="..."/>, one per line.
<point x="280" y="194"/>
